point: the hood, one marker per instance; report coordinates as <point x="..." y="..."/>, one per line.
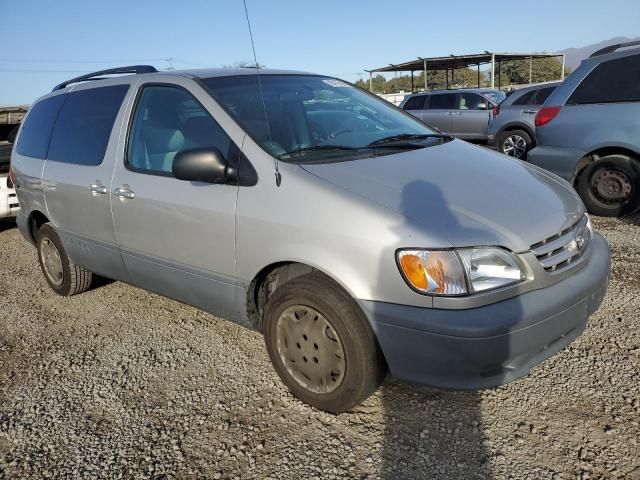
<point x="462" y="192"/>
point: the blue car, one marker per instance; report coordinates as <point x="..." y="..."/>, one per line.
<point x="588" y="131"/>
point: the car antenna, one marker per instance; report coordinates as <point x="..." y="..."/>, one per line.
<point x="264" y="105"/>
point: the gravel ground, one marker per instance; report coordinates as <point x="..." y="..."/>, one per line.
<point x="119" y="382"/>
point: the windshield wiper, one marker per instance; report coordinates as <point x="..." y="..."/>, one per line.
<point x="403" y="140"/>
<point x="315" y="148"/>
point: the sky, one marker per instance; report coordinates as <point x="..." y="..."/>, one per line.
<point x="44" y="42"/>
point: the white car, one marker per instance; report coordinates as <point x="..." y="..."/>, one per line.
<point x="8" y="199"/>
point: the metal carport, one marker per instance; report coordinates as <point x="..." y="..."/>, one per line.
<point x="453" y="62"/>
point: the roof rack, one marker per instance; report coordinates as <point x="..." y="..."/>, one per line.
<point x="613" y="48"/>
<point x="136" y="69"/>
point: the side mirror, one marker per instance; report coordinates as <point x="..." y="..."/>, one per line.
<point x="203" y="165"/>
<point x="482" y="106"/>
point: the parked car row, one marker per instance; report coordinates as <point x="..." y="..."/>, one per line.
<point x="585" y="129"/>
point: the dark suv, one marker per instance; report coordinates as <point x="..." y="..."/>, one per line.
<point x="588" y="131"/>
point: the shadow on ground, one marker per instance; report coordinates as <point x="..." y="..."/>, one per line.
<point x="432" y="434"/>
<point x="435" y="434"/>
<point x="7" y="224"/>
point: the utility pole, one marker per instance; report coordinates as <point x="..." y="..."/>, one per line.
<point x="424" y="61"/>
<point x="493" y="70"/>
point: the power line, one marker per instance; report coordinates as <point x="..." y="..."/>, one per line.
<point x="30" y="70"/>
<point x="22" y="60"/>
<point x="169" y="60"/>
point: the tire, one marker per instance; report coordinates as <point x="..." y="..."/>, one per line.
<point x="70" y="279"/>
<point x="515" y="136"/>
<point x="610" y="186"/>
<point x="362" y="368"/>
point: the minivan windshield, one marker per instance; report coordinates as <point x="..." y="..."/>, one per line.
<point x="309" y="118"/>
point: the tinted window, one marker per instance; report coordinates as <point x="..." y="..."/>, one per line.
<point x="442" y="101"/>
<point x="612" y="81"/>
<point x="415" y="103"/>
<point x="471" y="101"/>
<point x="168" y="120"/>
<point x="542" y="95"/>
<point x="524" y="99"/>
<point x="35" y="132"/>
<point x="84" y="125"/>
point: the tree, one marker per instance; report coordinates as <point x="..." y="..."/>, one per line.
<point x="459" y="78"/>
<point x="513" y="72"/>
<point x="543" y="70"/>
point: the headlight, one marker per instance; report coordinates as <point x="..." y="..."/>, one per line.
<point x="459" y="272"/>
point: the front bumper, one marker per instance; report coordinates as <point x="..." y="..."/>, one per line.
<point x="506" y="340"/>
<point x="559" y="160"/>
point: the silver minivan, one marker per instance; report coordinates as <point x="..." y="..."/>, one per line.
<point x="356" y="239"/>
<point x="464" y="113"/>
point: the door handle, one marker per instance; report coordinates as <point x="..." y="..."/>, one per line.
<point x="97" y="187"/>
<point x="124" y="192"/>
<point x="530" y="111"/>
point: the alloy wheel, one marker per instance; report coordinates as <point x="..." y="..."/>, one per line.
<point x="514" y="146"/>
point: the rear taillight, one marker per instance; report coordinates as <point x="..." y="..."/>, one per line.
<point x="546" y="114"/>
<point x="496" y="110"/>
<point x="10" y="179"/>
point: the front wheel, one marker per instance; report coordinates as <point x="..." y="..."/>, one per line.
<point x="515" y="143"/>
<point x="321" y="344"/>
<point x="610" y="186"/>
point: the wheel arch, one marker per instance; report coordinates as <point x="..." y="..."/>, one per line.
<point x="509" y="127"/>
<point x="269" y="278"/>
<point x="35" y="220"/>
<point x="600" y="152"/>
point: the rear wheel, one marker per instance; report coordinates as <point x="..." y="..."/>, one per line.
<point x="610" y="186"/>
<point x="321" y="344"/>
<point x="63" y="276"/>
<point x="515" y="143"/>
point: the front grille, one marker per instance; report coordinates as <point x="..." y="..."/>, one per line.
<point x="562" y="250"/>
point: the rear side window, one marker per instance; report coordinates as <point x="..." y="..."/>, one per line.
<point x="543" y="94"/>
<point x="83" y="128"/>
<point x="609" y="82"/>
<point x="524" y="99"/>
<point x="471" y="101"/>
<point x="415" y="103"/>
<point x="35" y="133"/>
<point x="442" y="101"/>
